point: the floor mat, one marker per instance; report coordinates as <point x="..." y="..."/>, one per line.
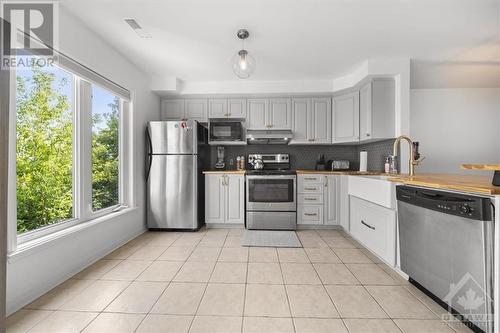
<point x="270" y="238"/>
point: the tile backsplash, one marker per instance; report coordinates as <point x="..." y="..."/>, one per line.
<point x="304" y="157"/>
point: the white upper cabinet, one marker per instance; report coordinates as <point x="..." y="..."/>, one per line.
<point x="280" y="113"/>
<point x="217" y="108"/>
<point x="377" y="110"/>
<point x="257" y="113"/>
<point x="237" y="108"/>
<point x="312" y="120"/>
<point x="345" y="122"/>
<point x="172" y="109"/>
<point x="301" y="108"/>
<point x="321" y="120"/>
<point x="196" y="109"/>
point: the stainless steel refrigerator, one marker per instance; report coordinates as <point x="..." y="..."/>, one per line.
<point x="177" y="154"/>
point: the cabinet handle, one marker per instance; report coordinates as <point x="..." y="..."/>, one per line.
<point x="229" y="114"/>
<point x="226" y="114"/>
<point x="367" y="225"/>
<point x="310" y="214"/>
<point x="367" y="134"/>
<point x="310" y="188"/>
<point x="310" y="199"/>
<point x="309" y="178"/>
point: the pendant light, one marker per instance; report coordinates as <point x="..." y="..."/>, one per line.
<point x="243" y="63"/>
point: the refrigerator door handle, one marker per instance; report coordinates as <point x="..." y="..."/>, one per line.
<point x="150" y="154"/>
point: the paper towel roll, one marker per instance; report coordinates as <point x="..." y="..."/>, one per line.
<point x="363" y="161"/>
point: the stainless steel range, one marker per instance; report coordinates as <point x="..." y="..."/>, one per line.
<point x="271" y="201"/>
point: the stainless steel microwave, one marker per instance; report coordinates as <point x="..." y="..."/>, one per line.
<point x="226" y="132"/>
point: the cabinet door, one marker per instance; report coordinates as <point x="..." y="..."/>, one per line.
<point x="321" y="120"/>
<point x="237" y="108"/>
<point x="280" y="113"/>
<point x="217" y="108"/>
<point x="257" y="114"/>
<point x="345" y="125"/>
<point x="196" y="109"/>
<point x="301" y="108"/>
<point x="214" y="198"/>
<point x="235" y="199"/>
<point x="332" y="200"/>
<point x="365" y="112"/>
<point x="172" y="109"/>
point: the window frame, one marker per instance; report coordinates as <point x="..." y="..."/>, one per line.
<point x="82" y="160"/>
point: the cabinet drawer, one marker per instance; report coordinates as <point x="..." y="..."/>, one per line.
<point x="375" y="227"/>
<point x="310" y="188"/>
<point x="310" y="214"/>
<point x="310" y="199"/>
<point x="311" y="179"/>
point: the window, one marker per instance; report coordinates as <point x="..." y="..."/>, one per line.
<point x="44" y="147"/>
<point x="105" y="148"/>
<point x="70" y="165"/>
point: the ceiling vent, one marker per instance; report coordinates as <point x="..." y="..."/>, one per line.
<point x="137" y="28"/>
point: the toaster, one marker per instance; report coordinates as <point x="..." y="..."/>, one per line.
<point x="337" y="165"/>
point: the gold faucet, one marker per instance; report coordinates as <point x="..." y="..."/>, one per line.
<point x="412" y="162"/>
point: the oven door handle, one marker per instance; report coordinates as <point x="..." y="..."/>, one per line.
<point x="272" y="177"/>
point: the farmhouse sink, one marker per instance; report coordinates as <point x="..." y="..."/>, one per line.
<point x="376" y="189"/>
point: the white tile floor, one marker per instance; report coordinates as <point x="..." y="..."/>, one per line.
<point x="206" y="282"/>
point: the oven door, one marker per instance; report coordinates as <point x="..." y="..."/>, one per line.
<point x="226" y="131"/>
<point x="271" y="193"/>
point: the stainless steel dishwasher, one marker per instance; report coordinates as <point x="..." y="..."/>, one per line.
<point x="446" y="243"/>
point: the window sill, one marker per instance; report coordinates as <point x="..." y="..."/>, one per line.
<point x="27" y="248"/>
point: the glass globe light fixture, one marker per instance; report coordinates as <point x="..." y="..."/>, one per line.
<point x="243" y="63"/>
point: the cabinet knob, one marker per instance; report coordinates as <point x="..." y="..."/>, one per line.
<point x="367" y="134"/>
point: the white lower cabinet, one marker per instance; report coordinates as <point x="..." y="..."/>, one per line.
<point x="375" y="227"/>
<point x="317" y="199"/>
<point x="224" y="198"/>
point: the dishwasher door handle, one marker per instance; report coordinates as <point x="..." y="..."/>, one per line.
<point x="367" y="225"/>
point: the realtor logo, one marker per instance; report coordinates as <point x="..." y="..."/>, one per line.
<point x="29" y="33"/>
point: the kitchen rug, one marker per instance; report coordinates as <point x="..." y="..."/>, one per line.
<point x="270" y="238"/>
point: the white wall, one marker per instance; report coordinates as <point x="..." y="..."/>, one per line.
<point x="456" y="126"/>
<point x="36" y="271"/>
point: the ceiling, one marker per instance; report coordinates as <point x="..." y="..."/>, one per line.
<point x="194" y="40"/>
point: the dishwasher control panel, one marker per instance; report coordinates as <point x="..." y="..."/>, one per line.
<point x="473" y="207"/>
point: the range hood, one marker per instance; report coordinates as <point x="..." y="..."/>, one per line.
<point x="269" y="137"/>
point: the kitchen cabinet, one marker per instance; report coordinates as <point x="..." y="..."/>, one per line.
<point x="237" y="108"/>
<point x="331" y="200"/>
<point x="196" y="109"/>
<point x="172" y="109"/>
<point x="317" y="199"/>
<point x="321" y="120"/>
<point x="312" y="121"/>
<point x="257" y="113"/>
<point x="233" y="108"/>
<point x="279" y="114"/>
<point x="374" y="226"/>
<point x="377" y="110"/>
<point x="224" y="198"/>
<point x="345" y="119"/>
<point x="274" y="113"/>
<point x="301" y="108"/>
<point x="217" y="108"/>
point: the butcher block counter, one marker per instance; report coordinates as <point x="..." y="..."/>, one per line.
<point x="334" y="172"/>
<point x="464" y="183"/>
<point x="234" y="172"/>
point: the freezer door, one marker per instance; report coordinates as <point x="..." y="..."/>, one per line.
<point x="172" y="137"/>
<point x="172" y="192"/>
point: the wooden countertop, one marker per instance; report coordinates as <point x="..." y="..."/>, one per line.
<point x="483" y="167"/>
<point x="237" y="172"/>
<point x="327" y="172"/>
<point x="465" y="183"/>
